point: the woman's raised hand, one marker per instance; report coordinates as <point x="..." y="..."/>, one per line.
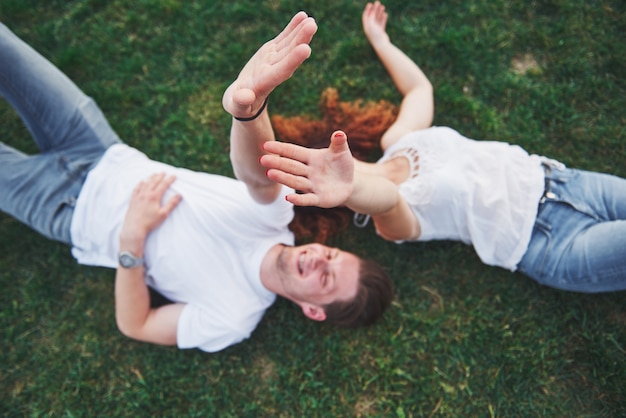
<point x="322" y="177"/>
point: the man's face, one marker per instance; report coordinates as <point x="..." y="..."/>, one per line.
<point x="317" y="274"/>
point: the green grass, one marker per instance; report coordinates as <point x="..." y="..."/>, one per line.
<point x="462" y="339"/>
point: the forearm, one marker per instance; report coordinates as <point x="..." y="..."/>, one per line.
<point x="392" y="216"/>
<point x="404" y="72"/>
<point x="372" y="194"/>
<point x="135" y="318"/>
<point x="133" y="314"/>
<point x="132" y="298"/>
<point x="398" y="223"/>
<point x="246" y="147"/>
<point x="380" y="198"/>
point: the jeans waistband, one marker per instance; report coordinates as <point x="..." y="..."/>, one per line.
<point x="548" y="167"/>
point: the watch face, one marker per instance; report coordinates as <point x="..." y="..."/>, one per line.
<point x="128" y="260"/>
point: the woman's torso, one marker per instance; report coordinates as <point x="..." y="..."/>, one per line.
<point x="483" y="193"/>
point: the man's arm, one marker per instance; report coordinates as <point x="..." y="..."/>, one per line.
<point x="246" y="101"/>
<point x="135" y="318"/>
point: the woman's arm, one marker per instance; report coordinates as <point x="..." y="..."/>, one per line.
<point x="380" y="198"/>
<point x="326" y="178"/>
<point x="417" y="107"/>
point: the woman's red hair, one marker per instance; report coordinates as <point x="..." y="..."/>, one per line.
<point x="363" y="122"/>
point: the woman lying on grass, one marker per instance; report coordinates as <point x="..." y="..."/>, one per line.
<point x="563" y="227"/>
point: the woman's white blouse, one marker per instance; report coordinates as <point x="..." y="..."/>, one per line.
<point x="483" y="193"/>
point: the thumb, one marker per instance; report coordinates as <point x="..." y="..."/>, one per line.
<point x="243" y="97"/>
<point x="338" y="142"/>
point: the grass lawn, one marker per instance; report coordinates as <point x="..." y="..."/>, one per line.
<point x="462" y="339"/>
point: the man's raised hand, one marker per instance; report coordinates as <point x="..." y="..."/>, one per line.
<point x="274" y="63"/>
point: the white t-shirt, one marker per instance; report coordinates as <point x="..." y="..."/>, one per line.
<point x="483" y="193"/>
<point x="206" y="254"/>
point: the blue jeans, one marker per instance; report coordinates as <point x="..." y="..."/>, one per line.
<point x="579" y="239"/>
<point x="69" y="129"/>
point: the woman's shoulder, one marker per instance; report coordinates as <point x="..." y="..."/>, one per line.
<point x="440" y="135"/>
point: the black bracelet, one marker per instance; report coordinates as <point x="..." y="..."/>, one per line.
<point x="263" y="106"/>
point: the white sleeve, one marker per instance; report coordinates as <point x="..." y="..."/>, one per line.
<point x="209" y="331"/>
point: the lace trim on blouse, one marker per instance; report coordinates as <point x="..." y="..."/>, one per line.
<point x="416" y="189"/>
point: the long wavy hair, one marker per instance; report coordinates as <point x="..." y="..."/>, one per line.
<point x="363" y="122"/>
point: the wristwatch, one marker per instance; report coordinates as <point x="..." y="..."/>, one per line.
<point x="128" y="260"/>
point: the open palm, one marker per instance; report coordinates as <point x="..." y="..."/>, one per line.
<point x="323" y="177"/>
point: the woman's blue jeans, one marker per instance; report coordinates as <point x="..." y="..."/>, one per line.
<point x="579" y="239"/>
<point x="69" y="129"/>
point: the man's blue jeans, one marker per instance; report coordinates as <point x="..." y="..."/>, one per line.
<point x="69" y="129"/>
<point x="579" y="239"/>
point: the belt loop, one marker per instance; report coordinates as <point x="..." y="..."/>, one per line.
<point x="547" y="194"/>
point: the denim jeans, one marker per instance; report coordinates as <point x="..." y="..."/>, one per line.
<point x="579" y="239"/>
<point x="69" y="129"/>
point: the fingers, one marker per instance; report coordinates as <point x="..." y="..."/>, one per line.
<point x="291" y="26"/>
<point x="292" y="181"/>
<point x="287" y="165"/>
<point x="291" y="46"/>
<point x="306" y="199"/>
<point x="381" y="15"/>
<point x="287" y="150"/>
<point x="163" y="183"/>
<point x="171" y="204"/>
<point x="376" y="9"/>
<point x="300" y="29"/>
<point x="338" y="144"/>
<point x="288" y="54"/>
<point x="155" y="186"/>
<point x="275" y="162"/>
<point x="367" y="14"/>
<point x="374" y="19"/>
<point x="270" y="66"/>
<point x="292" y="61"/>
<point x="157" y="182"/>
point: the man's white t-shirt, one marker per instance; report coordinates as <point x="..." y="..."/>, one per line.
<point x="206" y="254"/>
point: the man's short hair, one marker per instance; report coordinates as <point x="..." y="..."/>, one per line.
<point x="374" y="295"/>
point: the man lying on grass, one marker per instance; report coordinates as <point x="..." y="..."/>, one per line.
<point x="218" y="248"/>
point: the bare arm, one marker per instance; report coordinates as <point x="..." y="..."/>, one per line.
<point x="327" y="178"/>
<point x="133" y="314"/>
<point x="417" y="107"/>
<point x="246" y="140"/>
<point x="270" y="66"/>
